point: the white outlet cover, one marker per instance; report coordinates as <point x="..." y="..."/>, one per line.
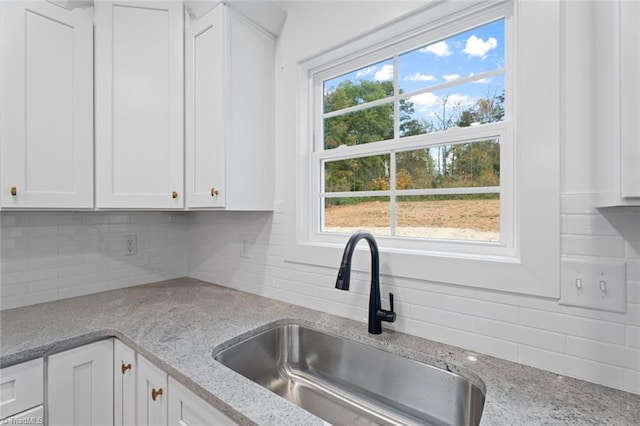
<point x="591" y="273"/>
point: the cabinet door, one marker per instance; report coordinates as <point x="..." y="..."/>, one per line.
<point x="46" y="106"/>
<point x="205" y="76"/>
<point x="187" y="409"/>
<point x="630" y="94"/>
<point x="21" y="387"/>
<point x="124" y="392"/>
<point x="139" y="104"/>
<point x="80" y="386"/>
<point x="151" y="394"/>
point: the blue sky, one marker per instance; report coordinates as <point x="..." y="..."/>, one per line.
<point x="466" y="54"/>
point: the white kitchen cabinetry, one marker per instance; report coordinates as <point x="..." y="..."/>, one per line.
<point x="187" y="409"/>
<point x="229" y="113"/>
<point x="46" y="106"/>
<point x="80" y="386"/>
<point x="21" y="391"/>
<point x="151" y="394"/>
<point x="617" y="95"/>
<point x="124" y="383"/>
<point x="139" y="104"/>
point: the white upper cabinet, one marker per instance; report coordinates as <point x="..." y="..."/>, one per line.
<point x="139" y="104"/>
<point x="229" y="113"/>
<point x="46" y="106"/>
<point x="617" y="89"/>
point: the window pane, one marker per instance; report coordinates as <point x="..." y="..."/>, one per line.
<point x="470" y="53"/>
<point x="347" y="215"/>
<point x="470" y="217"/>
<point x="365" y="126"/>
<point x="478" y="102"/>
<point x="464" y="165"/>
<point x="357" y="174"/>
<point x="364" y="85"/>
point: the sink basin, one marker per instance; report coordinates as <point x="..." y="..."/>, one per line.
<point x="348" y="383"/>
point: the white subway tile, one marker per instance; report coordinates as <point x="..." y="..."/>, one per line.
<point x="56" y="219"/>
<point x="631" y="316"/>
<point x="13" y="219"/>
<point x="633" y="291"/>
<point x="588" y="225"/>
<point x="588" y="245"/>
<point x="633" y="270"/>
<point x="83" y="290"/>
<point x="495" y="311"/>
<point x="58" y="283"/>
<point x="14" y="290"/>
<point x="29" y="276"/>
<point x="439" y="317"/>
<point x="571" y="366"/>
<point x="633" y="336"/>
<point x="28" y="299"/>
<point x="632" y="381"/>
<point x="578" y="203"/>
<point x="529" y="336"/>
<point x="32" y="231"/>
<point x="483" y="344"/>
<point x="617" y="355"/>
<point x="12" y="265"/>
<point x="573" y="326"/>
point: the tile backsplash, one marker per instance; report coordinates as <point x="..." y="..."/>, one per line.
<point x="597" y="346"/>
<point x="48" y="256"/>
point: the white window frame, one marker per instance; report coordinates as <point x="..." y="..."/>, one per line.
<point x="526" y="260"/>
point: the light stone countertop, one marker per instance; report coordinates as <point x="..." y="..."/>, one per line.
<point x="176" y="324"/>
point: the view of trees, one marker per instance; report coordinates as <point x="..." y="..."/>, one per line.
<point x="459" y="165"/>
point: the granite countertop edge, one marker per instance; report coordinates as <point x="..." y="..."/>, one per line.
<point x="178" y="325"/>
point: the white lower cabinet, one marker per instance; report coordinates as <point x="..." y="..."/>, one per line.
<point x="125" y="369"/>
<point x="34" y="416"/>
<point x="102" y="383"/>
<point x="22" y="391"/>
<point x="187" y="409"/>
<point x="151" y="394"/>
<point x="80" y="386"/>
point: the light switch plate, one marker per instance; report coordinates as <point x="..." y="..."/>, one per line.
<point x="594" y="284"/>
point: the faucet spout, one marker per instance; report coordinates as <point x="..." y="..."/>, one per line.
<point x="376" y="313"/>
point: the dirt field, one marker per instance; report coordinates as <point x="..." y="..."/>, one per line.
<point x="457" y="219"/>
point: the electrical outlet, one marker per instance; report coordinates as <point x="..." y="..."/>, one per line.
<point x="131" y="244"/>
<point x="596" y="284"/>
<point x="245" y="246"/>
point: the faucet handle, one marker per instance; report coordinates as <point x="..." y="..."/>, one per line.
<point x="391" y="301"/>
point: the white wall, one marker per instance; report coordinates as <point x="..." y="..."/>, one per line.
<point x="593" y="345"/>
<point x="51" y="256"/>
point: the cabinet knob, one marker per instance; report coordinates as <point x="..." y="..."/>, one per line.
<point x="14" y="191"/>
<point x="174" y="194"/>
<point x="155" y="393"/>
<point x="125" y="367"/>
<point x="214" y="192"/>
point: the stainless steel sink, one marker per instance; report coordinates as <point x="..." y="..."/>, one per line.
<point x="348" y="383"/>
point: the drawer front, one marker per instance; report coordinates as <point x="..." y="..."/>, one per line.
<point x="21" y="387"/>
<point x="34" y="416"/>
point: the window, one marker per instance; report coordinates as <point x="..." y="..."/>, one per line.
<point x="439" y="133"/>
<point x="404" y="144"/>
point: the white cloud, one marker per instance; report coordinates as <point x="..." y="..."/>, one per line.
<point x="440" y="48"/>
<point x="425" y="101"/>
<point x="365" y="71"/>
<point x="478" y="48"/>
<point x="450" y="77"/>
<point x="420" y="77"/>
<point x="385" y="73"/>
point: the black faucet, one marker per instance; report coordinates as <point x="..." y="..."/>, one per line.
<point x="376" y="313"/>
